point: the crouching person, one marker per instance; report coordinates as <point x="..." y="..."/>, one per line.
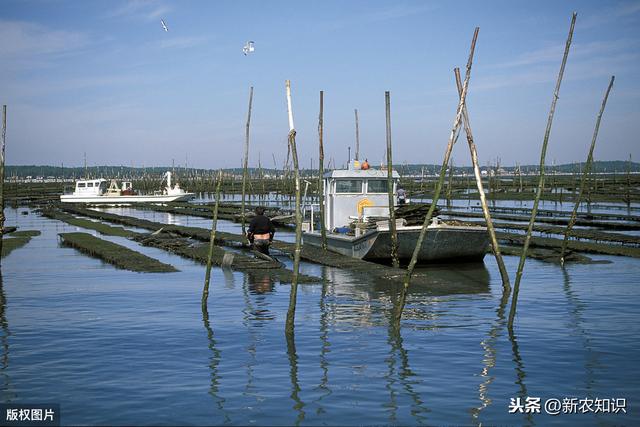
<point x="261" y="231"/>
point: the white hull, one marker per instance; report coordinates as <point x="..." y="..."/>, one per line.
<point x="160" y="198"/>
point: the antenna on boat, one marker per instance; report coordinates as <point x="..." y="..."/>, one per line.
<point x="357" y="137"/>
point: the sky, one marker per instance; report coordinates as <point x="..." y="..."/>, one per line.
<point x="104" y="78"/>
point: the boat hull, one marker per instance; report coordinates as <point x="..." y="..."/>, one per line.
<point x="441" y="243"/>
<point x="99" y="200"/>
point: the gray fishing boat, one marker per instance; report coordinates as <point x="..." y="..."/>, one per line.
<point x="355" y="197"/>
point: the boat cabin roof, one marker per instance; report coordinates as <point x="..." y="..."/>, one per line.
<point x="95" y="181"/>
<point x="360" y="174"/>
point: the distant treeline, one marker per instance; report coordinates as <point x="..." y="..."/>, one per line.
<point x="33" y="171"/>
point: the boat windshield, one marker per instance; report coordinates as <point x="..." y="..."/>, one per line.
<point x="377" y="186"/>
<point x="349" y="186"/>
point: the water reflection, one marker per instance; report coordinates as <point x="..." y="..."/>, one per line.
<point x="445" y="279"/>
<point x="520" y="372"/>
<point x="213" y="365"/>
<point x="577" y="308"/>
<point x="489" y="357"/>
<point x="325" y="346"/>
<point x="404" y="374"/>
<point x="298" y="404"/>
<point x="7" y="394"/>
<point x="365" y="302"/>
<point x="257" y="286"/>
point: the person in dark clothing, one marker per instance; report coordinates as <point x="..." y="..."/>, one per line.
<point x="261" y="231"/>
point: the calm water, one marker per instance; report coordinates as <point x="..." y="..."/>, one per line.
<point x="117" y="347"/>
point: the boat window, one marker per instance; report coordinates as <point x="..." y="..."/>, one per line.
<point x="89" y="184"/>
<point x="377" y="186"/>
<point x="81" y="185"/>
<point x="349" y="186"/>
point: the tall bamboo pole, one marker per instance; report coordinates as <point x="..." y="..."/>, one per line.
<point x="438" y="186"/>
<point x="587" y="170"/>
<point x="483" y="200"/>
<point x="392" y="208"/>
<point x="323" y="232"/>
<point x="245" y="165"/>
<point x="212" y="238"/>
<point x="4" y="140"/>
<point x="534" y="210"/>
<point x="357" y="136"/>
<point x="291" y="312"/>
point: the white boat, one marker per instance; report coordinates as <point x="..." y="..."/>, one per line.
<point x="95" y="191"/>
<point x="354" y="195"/>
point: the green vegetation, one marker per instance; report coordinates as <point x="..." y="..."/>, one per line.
<point x="114" y="254"/>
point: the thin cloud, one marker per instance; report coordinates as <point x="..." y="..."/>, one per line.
<point x="181" y="42"/>
<point x="615" y="14"/>
<point x="578" y="69"/>
<point x="391" y="13"/>
<point x="24" y="39"/>
<point x="148" y="10"/>
<point x="553" y="54"/>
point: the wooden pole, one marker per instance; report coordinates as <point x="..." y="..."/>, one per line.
<point x="483" y="200"/>
<point x="245" y="166"/>
<point x="291" y="312"/>
<point x="449" y="183"/>
<point x="534" y="210"/>
<point x="392" y="208"/>
<point x="587" y="170"/>
<point x="357" y="136"/>
<point x="212" y="238"/>
<point x="443" y="169"/>
<point x="4" y="140"/>
<point x="323" y="231"/>
<point x="628" y="181"/>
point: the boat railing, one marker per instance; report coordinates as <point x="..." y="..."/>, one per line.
<point x="311" y="208"/>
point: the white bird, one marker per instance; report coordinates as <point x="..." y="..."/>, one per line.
<point x="248" y="48"/>
<point x="164" y="26"/>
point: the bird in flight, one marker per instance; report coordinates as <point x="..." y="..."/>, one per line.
<point x="164" y="25"/>
<point x="248" y="48"/>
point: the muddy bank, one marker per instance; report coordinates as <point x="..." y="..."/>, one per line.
<point x="17" y="240"/>
<point x="178" y="240"/>
<point x="102" y="228"/>
<point x="221" y="258"/>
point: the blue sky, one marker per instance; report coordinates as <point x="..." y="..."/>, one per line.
<point x="103" y="77"/>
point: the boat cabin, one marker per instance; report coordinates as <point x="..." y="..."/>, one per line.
<point x="90" y="187"/>
<point x="125" y="190"/>
<point x="356" y="193"/>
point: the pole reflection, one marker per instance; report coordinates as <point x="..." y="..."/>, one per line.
<point x="213" y="365"/>
<point x="325" y="346"/>
<point x="7" y="393"/>
<point x="298" y="404"/>
<point x="248" y="311"/>
<point x="490" y="356"/>
<point x="520" y="372"/>
<point x="577" y="307"/>
<point x="404" y="373"/>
